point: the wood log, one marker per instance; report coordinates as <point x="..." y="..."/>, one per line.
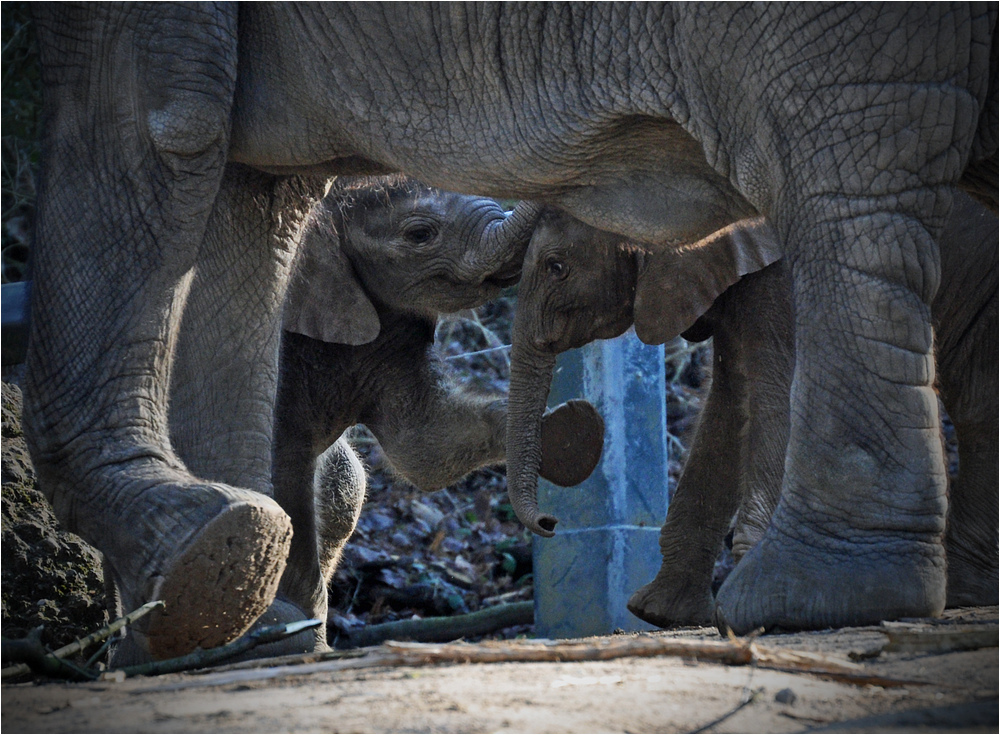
<point x="440" y="629"/>
<point x="942" y="639"/>
<point x="734" y="652"/>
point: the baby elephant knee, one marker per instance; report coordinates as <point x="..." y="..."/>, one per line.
<point x="339" y="486"/>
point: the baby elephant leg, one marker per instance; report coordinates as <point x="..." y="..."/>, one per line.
<point x="338" y="493"/>
<point x="965" y="320"/>
<point x="699" y="514"/>
<point x="737" y="457"/>
<point x="764" y="351"/>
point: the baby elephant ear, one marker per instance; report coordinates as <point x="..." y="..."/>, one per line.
<point x="675" y="287"/>
<point x="325" y="299"/>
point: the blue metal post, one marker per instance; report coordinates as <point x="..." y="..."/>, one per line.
<point x="607" y="542"/>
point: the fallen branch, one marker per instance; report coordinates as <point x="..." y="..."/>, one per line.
<point x="35" y="657"/>
<point x="40" y="661"/>
<point x="736" y="652"/>
<point x="208" y="657"/>
<point x="941" y="639"/>
<point x="598" y="649"/>
<point x="440" y="629"/>
<point x="79" y="645"/>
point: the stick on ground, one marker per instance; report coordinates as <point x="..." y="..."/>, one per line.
<point x="99" y="635"/>
<point x="441" y="629"/>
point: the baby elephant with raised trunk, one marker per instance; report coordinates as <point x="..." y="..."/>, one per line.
<point x="580" y="284"/>
<point x="377" y="267"/>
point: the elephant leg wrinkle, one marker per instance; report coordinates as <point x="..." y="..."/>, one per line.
<point x="857" y="536"/>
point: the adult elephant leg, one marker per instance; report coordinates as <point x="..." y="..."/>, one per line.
<point x="857" y="534"/>
<point x="127" y="185"/>
<point x="226" y="373"/>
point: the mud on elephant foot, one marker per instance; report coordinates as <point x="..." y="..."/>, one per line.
<point x="213" y="553"/>
<point x="786" y="583"/>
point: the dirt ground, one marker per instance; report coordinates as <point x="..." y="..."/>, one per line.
<point x="630" y="694"/>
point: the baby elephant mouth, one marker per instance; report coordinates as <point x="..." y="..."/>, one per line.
<point x="505" y="277"/>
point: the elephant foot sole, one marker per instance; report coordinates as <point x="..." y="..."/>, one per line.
<point x="786" y="584"/>
<point x="666" y="603"/>
<point x="224" y="578"/>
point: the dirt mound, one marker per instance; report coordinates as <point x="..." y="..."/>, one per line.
<point x="51" y="578"/>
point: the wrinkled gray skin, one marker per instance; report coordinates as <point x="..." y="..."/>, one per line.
<point x="847" y="126"/>
<point x="737" y="455"/>
<point x="569" y="295"/>
<point x="377" y="267"/>
<point x="580" y="284"/>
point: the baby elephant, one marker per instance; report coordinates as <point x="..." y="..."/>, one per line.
<point x="571" y="294"/>
<point x="379" y="264"/>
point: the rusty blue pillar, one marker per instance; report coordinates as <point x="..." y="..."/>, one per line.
<point x="607" y="543"/>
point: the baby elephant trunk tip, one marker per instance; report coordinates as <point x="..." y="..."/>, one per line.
<point x="541" y="524"/>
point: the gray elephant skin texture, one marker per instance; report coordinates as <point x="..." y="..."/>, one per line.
<point x="380" y="261"/>
<point x="736" y="462"/>
<point x="184" y="146"/>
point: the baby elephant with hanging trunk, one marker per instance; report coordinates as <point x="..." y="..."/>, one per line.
<point x="581" y="284"/>
<point x="381" y="261"/>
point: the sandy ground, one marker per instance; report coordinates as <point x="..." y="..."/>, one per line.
<point x="661" y="694"/>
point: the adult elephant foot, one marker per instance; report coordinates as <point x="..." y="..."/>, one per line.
<point x="671" y="600"/>
<point x="794" y="584"/>
<point x="858" y="534"/>
<point x="213" y="553"/>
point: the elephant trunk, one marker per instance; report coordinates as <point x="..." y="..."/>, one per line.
<point x="506" y="241"/>
<point x="530" y="377"/>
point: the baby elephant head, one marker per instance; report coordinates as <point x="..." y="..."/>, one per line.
<point x="396" y="244"/>
<point x="580" y="284"/>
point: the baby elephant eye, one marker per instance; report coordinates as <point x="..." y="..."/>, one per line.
<point x="419" y="234"/>
<point x="556" y="268"/>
